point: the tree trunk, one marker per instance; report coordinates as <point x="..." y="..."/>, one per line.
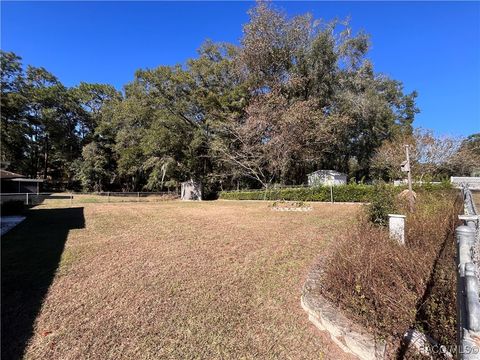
<point x="45" y="166"/>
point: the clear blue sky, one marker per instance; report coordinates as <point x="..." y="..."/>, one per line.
<point x="432" y="47"/>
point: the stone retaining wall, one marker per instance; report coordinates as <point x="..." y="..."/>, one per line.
<point x="350" y="337"/>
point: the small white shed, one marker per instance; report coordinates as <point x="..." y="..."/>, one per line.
<point x="326" y="177"/>
<point x="191" y="190"/>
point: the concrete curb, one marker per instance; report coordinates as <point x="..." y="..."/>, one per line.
<point x="349" y="336"/>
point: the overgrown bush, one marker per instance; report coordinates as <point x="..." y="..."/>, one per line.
<point x="429" y="186"/>
<point x="437" y="315"/>
<point x="383" y="285"/>
<point x="381" y="204"/>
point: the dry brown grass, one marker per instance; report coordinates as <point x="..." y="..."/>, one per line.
<point x="185" y="280"/>
<point x="476" y="198"/>
<point x="382" y="284"/>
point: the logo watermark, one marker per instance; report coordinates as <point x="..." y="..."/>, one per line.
<point x="448" y="351"/>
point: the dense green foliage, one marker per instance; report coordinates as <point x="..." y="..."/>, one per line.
<point x="382" y="203"/>
<point x="44" y="124"/>
<point x="342" y="193"/>
<point x="296" y="95"/>
<point x="381" y="196"/>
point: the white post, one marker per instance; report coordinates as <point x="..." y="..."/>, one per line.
<point x="396" y="225"/>
<point x="331" y="193"/>
<point x="27" y="197"/>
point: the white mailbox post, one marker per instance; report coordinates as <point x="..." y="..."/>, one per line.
<point x="396" y="225"/>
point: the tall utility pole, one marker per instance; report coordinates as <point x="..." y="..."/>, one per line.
<point x="409" y="173"/>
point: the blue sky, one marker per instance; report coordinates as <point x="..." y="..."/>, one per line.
<point x="432" y="47"/>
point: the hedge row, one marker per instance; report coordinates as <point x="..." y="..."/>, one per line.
<point x="341" y="193"/>
<point x="350" y="192"/>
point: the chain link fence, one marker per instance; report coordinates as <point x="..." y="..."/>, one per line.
<point x="468" y="288"/>
<point x="82" y="198"/>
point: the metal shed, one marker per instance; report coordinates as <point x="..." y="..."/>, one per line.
<point x="326" y="177"/>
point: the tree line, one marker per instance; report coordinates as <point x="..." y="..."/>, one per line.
<point x="294" y="96"/>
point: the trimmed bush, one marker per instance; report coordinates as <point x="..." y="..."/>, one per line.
<point x="341" y="193"/>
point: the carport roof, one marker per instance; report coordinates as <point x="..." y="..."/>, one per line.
<point x="26" y="180"/>
<point x="4" y="174"/>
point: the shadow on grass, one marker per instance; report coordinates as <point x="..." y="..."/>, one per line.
<point x="31" y="254"/>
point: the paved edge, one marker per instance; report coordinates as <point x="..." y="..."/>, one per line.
<point x="349" y="336"/>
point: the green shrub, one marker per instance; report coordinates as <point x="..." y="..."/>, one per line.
<point x="341" y="193"/>
<point x="428" y="186"/>
<point x="382" y="203"/>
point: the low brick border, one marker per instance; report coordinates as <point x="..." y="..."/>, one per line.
<point x="350" y="337"/>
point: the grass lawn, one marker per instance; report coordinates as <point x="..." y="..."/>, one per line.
<point x="164" y="280"/>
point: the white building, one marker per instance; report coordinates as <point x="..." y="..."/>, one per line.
<point x="326" y="177"/>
